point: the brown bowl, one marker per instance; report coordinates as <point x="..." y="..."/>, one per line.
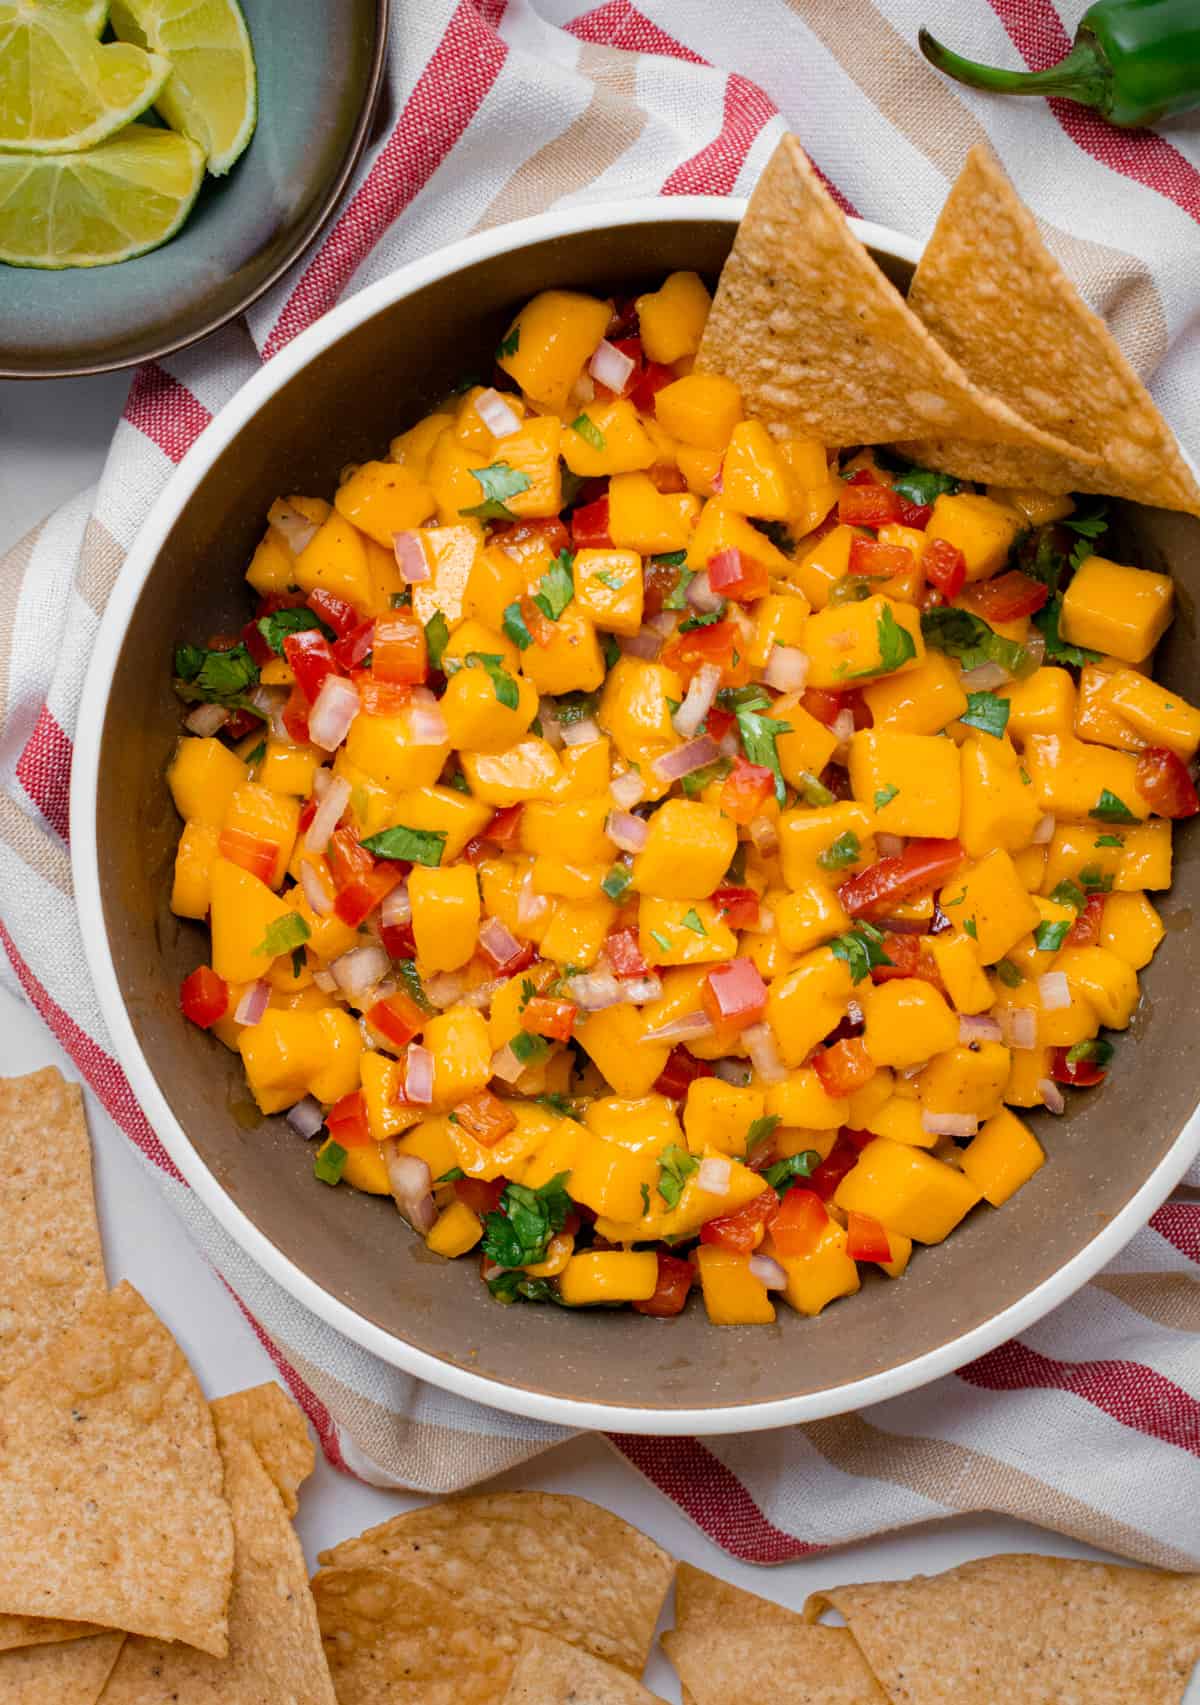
<point x="336" y="395"/>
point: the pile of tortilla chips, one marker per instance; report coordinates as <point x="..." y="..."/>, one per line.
<point x="993" y="369"/>
<point x="146" y="1547"/>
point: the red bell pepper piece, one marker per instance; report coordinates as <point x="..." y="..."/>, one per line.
<point x="256" y="644"/>
<point x="311" y="659"/>
<point x="399" y="942"/>
<point x="359" y="898"/>
<point x="733" y="993"/>
<point x="536" y="620"/>
<point x="624" y="955"/>
<point x="915" y="514"/>
<point x="945" y="567"/>
<point x="204" y="997"/>
<point x="798" y="1226"/>
<point x="680" y="1070"/>
<point x="589" y="526"/>
<point x="738" y="907"/>
<point x="908" y="956"/>
<point x="827" y="706"/>
<point x="718" y="722"/>
<point x="879" y="562"/>
<point x="249" y="851"/>
<point x="485" y="1117"/>
<point x="1085" y="931"/>
<point x="399" y="653"/>
<point x="742" y="1231"/>
<point x="348" y="859"/>
<point x="720" y="643"/>
<point x="1164" y="782"/>
<point x="675" y="1278"/>
<point x="379" y="698"/>
<point x="663" y="477"/>
<point x="353" y="647"/>
<point x="335" y="612"/>
<point x="295" y="716"/>
<point x="866" y="1239"/>
<point x="659" y="581"/>
<point x="868" y="505"/>
<point x="735" y="575"/>
<point x="746" y="790"/>
<point x="1080" y="1074"/>
<point x="844" y="1067"/>
<point x="239" y="723"/>
<point x="481" y="1195"/>
<point x="653" y="379"/>
<point x="530" y="537"/>
<point x="921" y="867"/>
<point x="397" y="1019"/>
<point x="840" y="1160"/>
<point x="504" y="830"/>
<point x="1006" y="598"/>
<point x="347" y="1123"/>
<point x="544" y="1016"/>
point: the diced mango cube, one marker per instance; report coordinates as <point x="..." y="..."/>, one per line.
<point x="572" y="662"/>
<point x="606" y="438"/>
<point x="907" y="1190"/>
<point x="687" y="851"/>
<point x="990" y="903"/>
<point x="754" y="476"/>
<point x="1131" y="928"/>
<point x="701" y="409"/>
<point x="810" y="916"/>
<point x="550" y="341"/>
<point x="608" y="588"/>
<point x="456" y="1230"/>
<point x="851" y="642"/>
<point x="608" y="1276"/>
<point x="683" y="932"/>
<point x="191" y="889"/>
<point x="807" y="1003"/>
<point x="923" y="700"/>
<point x="826" y="833"/>
<point x="718" y="1115"/>
<point x="1160" y="716"/>
<point x="642" y="518"/>
<point x="1004" y="1155"/>
<point x="965" y="1079"/>
<point x="1123" y="611"/>
<point x="907" y="1021"/>
<point x="733" y="1295"/>
<point x="384" y="498"/>
<point x="1043" y="703"/>
<point x="1102" y="978"/>
<point x="999" y="807"/>
<point x="957" y="959"/>
<point x="1072" y="779"/>
<point x="983" y="530"/>
<point x="820" y="1276"/>
<point x="911" y="781"/>
<point x="801" y="1100"/>
<point x="203" y="777"/>
<point x="614" y="1039"/>
<point x="671" y="319"/>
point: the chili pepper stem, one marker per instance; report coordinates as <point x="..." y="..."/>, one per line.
<point x="1084" y="75"/>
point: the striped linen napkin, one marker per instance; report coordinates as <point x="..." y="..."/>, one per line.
<point x="1090" y="1424"/>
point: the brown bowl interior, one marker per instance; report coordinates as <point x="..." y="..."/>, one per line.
<point x="373" y="382"/>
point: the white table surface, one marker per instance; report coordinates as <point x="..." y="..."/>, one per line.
<point x="53" y="438"/>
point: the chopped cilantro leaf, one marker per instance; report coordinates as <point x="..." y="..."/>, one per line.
<point x="215" y="677"/>
<point x="986" y="711"/>
<point x="519" y="1233"/>
<point x="606" y="577"/>
<point x="451" y="1177"/>
<point x="515" y="1286"/>
<point x="1009" y="974"/>
<point x="760" y="1130"/>
<point x="1068" y="893"/>
<point x="1109" y="808"/>
<point x="971" y="928"/>
<point x="329" y="1163"/>
<point x="696" y="783"/>
<point x="516" y="628"/>
<point x="285" y="933"/>
<point x="574" y="707"/>
<point x="923" y="485"/>
<point x="883" y="795"/>
<point x="498" y="483"/>
<point x="896" y="644"/>
<point x="509" y="343"/>
<point x="276" y="627"/>
<point x="861" y="948"/>
<point x="1048" y="937"/>
<point x="589" y="431"/>
<point x="556" y="587"/>
<point x="1047" y="621"/>
<point x="617" y="881"/>
<point x="1095" y="1050"/>
<point x="814" y="792"/>
<point x="529" y="1049"/>
<point x="962" y="634"/>
<point x="645" y="1189"/>
<point x="415" y="988"/>
<point x="506" y="689"/>
<point x="780" y="1176"/>
<point x="1109" y="841"/>
<point x="416" y="846"/>
<point x="707" y="620"/>
<point x="258" y="754"/>
<point x="845" y="850"/>
<point x="675" y="1167"/>
<point x="1094" y="880"/>
<point x="759" y="734"/>
<point x="437" y="637"/>
<point x="691" y="920"/>
<point x="676" y="598"/>
<point x="664" y="941"/>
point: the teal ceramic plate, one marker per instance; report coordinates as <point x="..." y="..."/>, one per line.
<point x="320" y="63"/>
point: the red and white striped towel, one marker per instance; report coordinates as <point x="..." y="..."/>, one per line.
<point x="1091" y="1423"/>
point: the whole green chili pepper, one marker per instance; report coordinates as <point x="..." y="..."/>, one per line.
<point x="1134" y="61"/>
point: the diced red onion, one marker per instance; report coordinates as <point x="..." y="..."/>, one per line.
<point x="729" y="744"/>
<point x="763" y="923"/>
<point x="336" y="706"/>
<point x="901" y="926"/>
<point x="552" y="729"/>
<point x="949" y="1124"/>
<point x="686" y="760"/>
<point x="319" y="898"/>
<point x="397" y="908"/>
<point x="427" y="726"/>
<point x="505" y="1065"/>
<point x="410" y="558"/>
<point x="531" y="907"/>
<point x="1052" y="1096"/>
<point x="206" y="719"/>
<point x="1035" y="652"/>
<point x="253" y="1003"/>
<point x="854" y="1013"/>
<point x="636" y="991"/>
<point x="764" y="1053"/>
<point x="481" y="995"/>
<point x="446" y="988"/>
<point x="978" y="1027"/>
<point x="296" y="531"/>
<point x="889" y="846"/>
<point x="626" y="831"/>
<point x="611" y="366"/>
<point x="787" y="669"/>
<point x="664" y="624"/>
<point x="627" y="790"/>
<point x="768" y="1270"/>
<point x="325" y="981"/>
<point x="645" y="644"/>
<point x="701" y="596"/>
<point x="328" y="813"/>
<point x="698" y="701"/>
<point x="306" y="1117"/>
<point x="714" y="1175"/>
<point x="1020" y="1026"/>
<point x="688" y="1027"/>
<point x="411" y="1185"/>
<point x="764" y="836"/>
<point x="582" y="391"/>
<point x="736" y="1072"/>
<point x="360" y="969"/>
<point x="985" y="678"/>
<point x="418" y="1076"/>
<point x="595" y="990"/>
<point x="497" y="941"/>
<point x="497" y="414"/>
<point x="322" y="780"/>
<point x="1044" y="829"/>
<point x="1054" y="991"/>
<point x="843" y="726"/>
<point x="580" y="733"/>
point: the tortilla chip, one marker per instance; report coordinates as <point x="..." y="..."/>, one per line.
<point x="267" y="1417"/>
<point x="51" y="1265"/>
<point x="549" y="1672"/>
<point x="18" y="1631"/>
<point x="59" y="1675"/>
<point x="993" y="295"/>
<point x="272" y="1619"/>
<point x="1038" y="1629"/>
<point x="1011" y="466"/>
<point x="534" y="1558"/>
<point x="393" y="1640"/>
<point x="730" y="1647"/>
<point x="110" y="1484"/>
<point x="821" y="344"/>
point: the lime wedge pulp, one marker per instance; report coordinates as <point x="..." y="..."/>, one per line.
<point x="211" y="94"/>
<point x="124" y="196"/>
<point x="93" y="13"/>
<point x="60" y="89"/>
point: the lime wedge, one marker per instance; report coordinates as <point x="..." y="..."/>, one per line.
<point x="60" y="90"/>
<point x="212" y="94"/>
<point x="119" y="199"/>
<point x="93" y="13"/>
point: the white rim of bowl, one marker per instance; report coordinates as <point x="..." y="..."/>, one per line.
<point x="568" y="1412"/>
